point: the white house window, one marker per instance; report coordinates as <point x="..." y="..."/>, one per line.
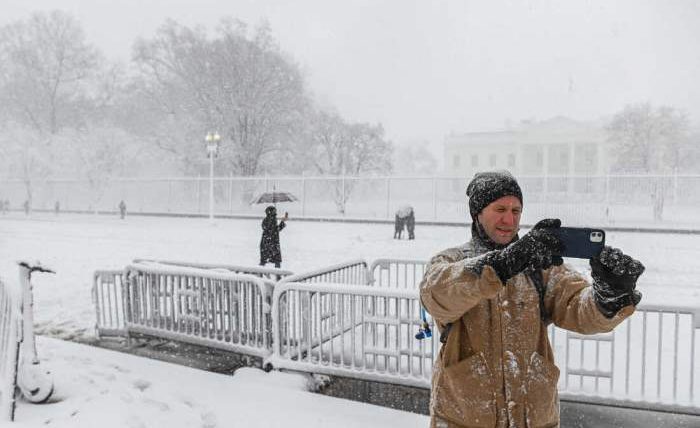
<point x="492" y="160"/>
<point x="511" y="160"/>
<point x="456" y="161"/>
<point x="475" y="161"/>
<point x="558" y="159"/>
<point x="586" y="156"/>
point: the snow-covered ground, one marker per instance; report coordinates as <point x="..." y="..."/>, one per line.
<point x="107" y="389"/>
<point x="77" y="245"/>
<point x="96" y="387"/>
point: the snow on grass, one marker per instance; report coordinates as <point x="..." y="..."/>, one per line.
<point x="77" y="245"/>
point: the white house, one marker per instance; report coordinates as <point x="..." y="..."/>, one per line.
<point x="557" y="146"/>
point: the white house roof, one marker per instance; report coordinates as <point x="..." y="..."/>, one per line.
<point x="558" y="129"/>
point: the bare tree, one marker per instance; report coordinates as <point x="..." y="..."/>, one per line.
<point x="343" y="149"/>
<point x="51" y="80"/>
<point x="96" y="154"/>
<point x="690" y="154"/>
<point x="26" y="155"/>
<point x="240" y="85"/>
<point x="46" y="67"/>
<point x="413" y="159"/>
<point x="649" y="140"/>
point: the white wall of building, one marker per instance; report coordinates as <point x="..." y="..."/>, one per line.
<point x="558" y="146"/>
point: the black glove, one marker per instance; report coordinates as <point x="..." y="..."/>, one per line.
<point x="536" y="250"/>
<point x="614" y="280"/>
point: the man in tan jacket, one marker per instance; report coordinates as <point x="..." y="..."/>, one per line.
<point x="492" y="300"/>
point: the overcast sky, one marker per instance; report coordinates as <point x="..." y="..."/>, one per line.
<point x="425" y="68"/>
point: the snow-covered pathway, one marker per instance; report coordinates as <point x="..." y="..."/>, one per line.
<point x="100" y="388"/>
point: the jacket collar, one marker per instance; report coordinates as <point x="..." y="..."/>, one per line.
<point x="481" y="243"/>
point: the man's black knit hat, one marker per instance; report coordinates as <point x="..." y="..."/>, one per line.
<point x="486" y="187"/>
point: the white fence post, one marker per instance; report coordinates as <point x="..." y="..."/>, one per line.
<point x="675" y="187"/>
<point x="170" y="194"/>
<point x="199" y="181"/>
<point x="434" y="198"/>
<point x="230" y="192"/>
<point x="388" y="197"/>
<point x="342" y="189"/>
<point x="303" y="195"/>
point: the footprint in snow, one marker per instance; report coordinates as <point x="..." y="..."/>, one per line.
<point x="163" y="407"/>
<point x="141" y="384"/>
<point x="120" y="369"/>
<point x="208" y="420"/>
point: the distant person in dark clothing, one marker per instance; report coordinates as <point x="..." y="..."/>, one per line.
<point x="270" y="241"/>
<point x="404" y="217"/>
<point x="398" y="226"/>
<point x="26" y="207"/>
<point x="122" y="209"/>
<point x="411" y="225"/>
<point x="57" y="208"/>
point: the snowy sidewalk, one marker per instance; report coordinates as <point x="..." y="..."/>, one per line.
<point x="98" y="387"/>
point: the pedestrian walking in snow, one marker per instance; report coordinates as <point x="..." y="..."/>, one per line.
<point x="122" y="209"/>
<point x="270" y="241"/>
<point x="492" y="300"/>
<point x="57" y="208"/>
<point x="26" y="206"/>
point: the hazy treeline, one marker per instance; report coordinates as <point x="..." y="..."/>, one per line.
<point x="653" y="140"/>
<point x="67" y="111"/>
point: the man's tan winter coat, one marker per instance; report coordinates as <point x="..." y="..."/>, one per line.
<point x="497" y="367"/>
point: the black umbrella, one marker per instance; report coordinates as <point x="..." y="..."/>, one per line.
<point x="273" y="198"/>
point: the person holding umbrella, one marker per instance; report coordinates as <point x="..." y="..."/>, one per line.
<point x="270" y="241"/>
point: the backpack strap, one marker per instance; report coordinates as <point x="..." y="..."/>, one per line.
<point x="538" y="281"/>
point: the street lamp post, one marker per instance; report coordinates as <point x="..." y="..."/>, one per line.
<point x="212" y="140"/>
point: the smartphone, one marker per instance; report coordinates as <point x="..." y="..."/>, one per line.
<point x="581" y="242"/>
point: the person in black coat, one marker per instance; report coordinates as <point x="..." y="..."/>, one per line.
<point x="122" y="209"/>
<point x="270" y="241"/>
<point x="398" y="226"/>
<point x="404" y="217"/>
<point x="411" y="225"/>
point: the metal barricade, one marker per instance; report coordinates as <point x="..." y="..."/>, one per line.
<point x="324" y="322"/>
<point x="397" y="273"/>
<point x="200" y="306"/>
<point x="367" y="333"/>
<point x="648" y="360"/>
<point x="273" y="274"/>
<point x="350" y="272"/>
<point x="108" y="296"/>
<point x="350" y="330"/>
<point x="10" y="339"/>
